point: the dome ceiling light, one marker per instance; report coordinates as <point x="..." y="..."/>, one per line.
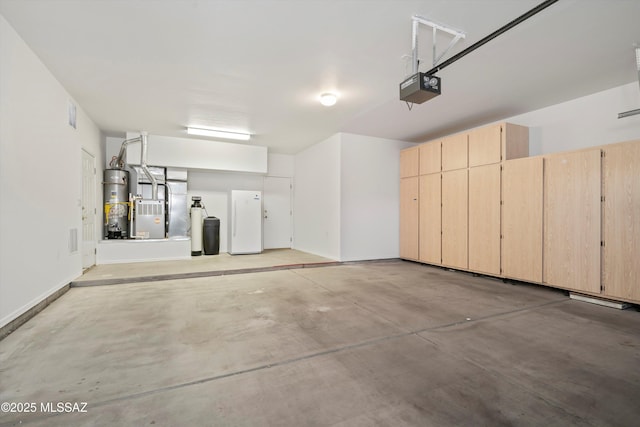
<point x="328" y="99"/>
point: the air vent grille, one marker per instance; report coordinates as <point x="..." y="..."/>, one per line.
<point x="150" y="208"/>
<point x="73" y="240"/>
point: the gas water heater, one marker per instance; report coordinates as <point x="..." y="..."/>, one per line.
<point x="116" y="204"/>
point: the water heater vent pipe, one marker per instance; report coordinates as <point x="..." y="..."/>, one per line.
<point x="118" y="163"/>
<point x="145" y="168"/>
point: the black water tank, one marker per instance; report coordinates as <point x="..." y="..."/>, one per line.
<point x="211" y="235"/>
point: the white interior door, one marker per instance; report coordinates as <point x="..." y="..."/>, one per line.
<point x="88" y="210"/>
<point x="277" y="212"/>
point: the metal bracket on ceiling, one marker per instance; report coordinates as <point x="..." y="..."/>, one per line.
<point x="417" y="20"/>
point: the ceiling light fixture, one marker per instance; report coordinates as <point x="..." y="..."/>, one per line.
<point x="328" y="99"/>
<point x="219" y="133"/>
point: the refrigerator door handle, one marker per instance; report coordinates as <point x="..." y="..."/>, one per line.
<point x="235" y="215"/>
<point x="169" y="207"/>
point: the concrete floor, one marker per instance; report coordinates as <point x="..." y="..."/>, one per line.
<point x="384" y="344"/>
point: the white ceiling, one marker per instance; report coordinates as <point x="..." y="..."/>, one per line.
<point x="259" y="65"/>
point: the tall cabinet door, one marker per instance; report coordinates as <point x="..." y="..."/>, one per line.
<point x="484" y="219"/>
<point x="430" y="219"/>
<point x="454" y="218"/>
<point x="409" y="218"/>
<point x="522" y="219"/>
<point x="621" y="221"/>
<point x="572" y="213"/>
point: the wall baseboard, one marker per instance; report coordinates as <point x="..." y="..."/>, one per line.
<point x="27" y="315"/>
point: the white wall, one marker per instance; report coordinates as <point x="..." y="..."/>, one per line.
<point x="346" y="198"/>
<point x="40" y="179"/>
<point x="214" y="189"/>
<point x="281" y="165"/>
<point x="316" y="199"/>
<point x="370" y="197"/>
<point x="583" y="122"/>
<point x="112" y="148"/>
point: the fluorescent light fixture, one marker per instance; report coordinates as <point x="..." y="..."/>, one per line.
<point x="219" y="133"/>
<point x="328" y="99"/>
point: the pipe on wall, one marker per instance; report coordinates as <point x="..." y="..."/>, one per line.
<point x="145" y="168"/>
<point x="118" y="163"/>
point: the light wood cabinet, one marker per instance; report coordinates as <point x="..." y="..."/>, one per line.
<point x="485" y="145"/>
<point x="515" y="141"/>
<point x="454" y="152"/>
<point x="459" y="213"/>
<point x="430" y="219"/>
<point x="571" y="248"/>
<point x="409" y="162"/>
<point x="474" y="201"/>
<point x="496" y="143"/>
<point x="484" y="219"/>
<point x="409" y="218"/>
<point x="621" y="221"/>
<point x="430" y="157"/>
<point x="522" y="219"/>
<point x="454" y="218"/>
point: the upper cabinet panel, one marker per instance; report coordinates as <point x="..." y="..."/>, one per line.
<point x="515" y="141"/>
<point x="485" y="145"/>
<point x="430" y="157"/>
<point x="409" y="162"/>
<point x="495" y="143"/>
<point x="454" y="152"/>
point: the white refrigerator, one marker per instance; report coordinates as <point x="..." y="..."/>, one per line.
<point x="245" y="222"/>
